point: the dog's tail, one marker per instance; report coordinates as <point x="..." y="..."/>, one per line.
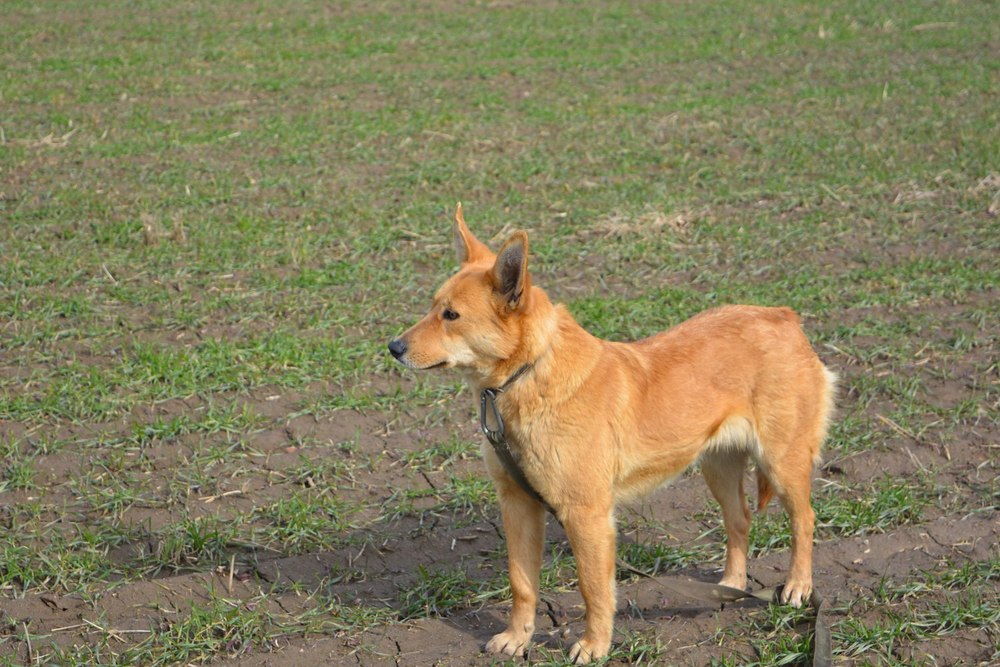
<point x="764" y="490"/>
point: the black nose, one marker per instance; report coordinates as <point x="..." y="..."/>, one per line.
<point x="397" y="348"/>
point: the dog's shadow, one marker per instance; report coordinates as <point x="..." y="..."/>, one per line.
<point x="409" y="570"/>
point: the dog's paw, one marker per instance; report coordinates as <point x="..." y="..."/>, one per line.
<point x="585" y="650"/>
<point x="509" y="642"/>
<point x="796" y="592"/>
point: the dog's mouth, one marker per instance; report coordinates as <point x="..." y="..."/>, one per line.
<point x="412" y="367"/>
<point x="400" y="350"/>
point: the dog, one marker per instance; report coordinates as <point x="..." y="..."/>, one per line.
<point x="593" y="423"/>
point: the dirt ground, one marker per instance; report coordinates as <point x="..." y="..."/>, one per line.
<point x="379" y="564"/>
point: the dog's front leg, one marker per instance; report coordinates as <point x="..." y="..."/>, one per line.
<point x="591" y="534"/>
<point x="524" y="528"/>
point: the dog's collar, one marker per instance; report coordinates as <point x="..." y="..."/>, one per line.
<point x="512" y="379"/>
<point x="495" y="434"/>
<point x="488" y="406"/>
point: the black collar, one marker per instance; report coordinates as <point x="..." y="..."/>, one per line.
<point x="488" y="399"/>
<point x="513" y="378"/>
<point x="495" y="434"/>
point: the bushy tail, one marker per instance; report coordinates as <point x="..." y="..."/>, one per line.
<point x="764" y="490"/>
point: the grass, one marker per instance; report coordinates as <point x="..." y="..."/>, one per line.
<point x="219" y="628"/>
<point x="914" y="623"/>
<point x="18" y="471"/>
<point x="898" y="617"/>
<point x="192" y="541"/>
<point x="214" y="216"/>
<point x="303" y="522"/>
<point x="436" y="592"/>
<point x="886" y="505"/>
<point x="658" y="557"/>
<point x="779" y="637"/>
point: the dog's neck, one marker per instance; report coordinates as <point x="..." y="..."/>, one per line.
<point x="559" y="354"/>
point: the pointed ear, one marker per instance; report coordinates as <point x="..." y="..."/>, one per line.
<point x="467" y="246"/>
<point x="510" y="272"/>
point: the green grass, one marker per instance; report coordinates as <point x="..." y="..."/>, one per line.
<point x="778" y="637"/>
<point x="915" y="623"/>
<point x="436" y="592"/>
<point x="303" y="522"/>
<point x="18" y="470"/>
<point x="873" y="630"/>
<point x="658" y="558"/>
<point x="192" y="542"/>
<point x="441" y="456"/>
<point x="886" y="505"/>
<point x="213" y="216"/>
<point x="218" y="628"/>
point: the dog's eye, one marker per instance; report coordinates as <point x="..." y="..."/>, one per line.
<point x="449" y="314"/>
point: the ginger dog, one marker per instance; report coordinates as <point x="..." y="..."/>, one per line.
<point x="593" y="423"/>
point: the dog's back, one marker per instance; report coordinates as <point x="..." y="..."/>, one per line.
<point x="735" y="378"/>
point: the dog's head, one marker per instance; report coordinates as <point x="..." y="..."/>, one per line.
<point x="477" y="318"/>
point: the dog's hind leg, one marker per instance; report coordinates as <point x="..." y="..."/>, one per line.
<point x="790" y="449"/>
<point x="723" y="470"/>
<point x="795" y="498"/>
<point x="524" y="528"/>
<point x="791" y="478"/>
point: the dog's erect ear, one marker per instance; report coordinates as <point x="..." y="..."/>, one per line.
<point x="468" y="247"/>
<point x="510" y="272"/>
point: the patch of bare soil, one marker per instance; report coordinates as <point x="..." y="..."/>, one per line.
<point x="377" y="567"/>
<point x="956" y="457"/>
<point x="379" y="564"/>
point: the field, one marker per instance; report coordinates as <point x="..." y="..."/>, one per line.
<point x="213" y="216"/>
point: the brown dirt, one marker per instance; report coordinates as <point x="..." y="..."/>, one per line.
<point x="960" y="459"/>
<point x="845" y="569"/>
